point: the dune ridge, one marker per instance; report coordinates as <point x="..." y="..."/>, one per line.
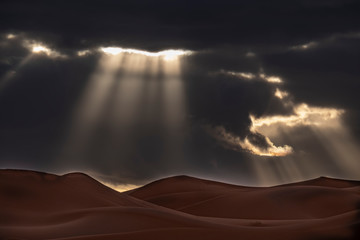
<point x="36" y="205"/>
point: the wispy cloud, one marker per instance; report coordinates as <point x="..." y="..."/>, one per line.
<point x="252" y="76"/>
<point x="233" y="142"/>
<point x="303" y="115"/>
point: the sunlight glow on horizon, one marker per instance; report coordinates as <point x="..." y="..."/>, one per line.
<point x="121" y="187"/>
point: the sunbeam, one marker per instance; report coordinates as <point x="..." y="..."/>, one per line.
<point x="130" y="90"/>
<point x="87" y="112"/>
<point x="322" y="127"/>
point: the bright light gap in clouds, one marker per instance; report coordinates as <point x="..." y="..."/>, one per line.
<point x="170" y="54"/>
<point x="41" y="48"/>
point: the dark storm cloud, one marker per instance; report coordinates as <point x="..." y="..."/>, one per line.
<point x="185" y="24"/>
<point x="257" y="37"/>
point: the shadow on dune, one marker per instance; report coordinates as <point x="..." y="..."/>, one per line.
<point x="355" y="228"/>
<point x="356" y="225"/>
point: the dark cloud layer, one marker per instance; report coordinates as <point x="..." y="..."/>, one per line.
<point x="228" y="37"/>
<point x="326" y="74"/>
<point x="187" y="24"/>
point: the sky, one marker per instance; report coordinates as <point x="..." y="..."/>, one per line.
<point x="248" y="92"/>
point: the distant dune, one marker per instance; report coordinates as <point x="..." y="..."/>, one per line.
<point x="74" y="206"/>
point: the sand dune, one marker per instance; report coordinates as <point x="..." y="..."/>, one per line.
<point x="316" y="198"/>
<point x="36" y="205"/>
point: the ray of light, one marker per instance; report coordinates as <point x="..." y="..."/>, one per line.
<point x="174" y="110"/>
<point x="128" y="90"/>
<point x="151" y="92"/>
<point x="324" y="129"/>
<point x="173" y="93"/>
<point x="340" y="144"/>
<point x="88" y="110"/>
<point x="131" y="94"/>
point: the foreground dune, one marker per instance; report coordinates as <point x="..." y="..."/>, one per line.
<point x="37" y="205"/>
<point x="317" y="198"/>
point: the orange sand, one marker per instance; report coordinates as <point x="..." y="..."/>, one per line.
<point x="74" y="206"/>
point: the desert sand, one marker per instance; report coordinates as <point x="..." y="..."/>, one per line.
<point x="35" y="205"/>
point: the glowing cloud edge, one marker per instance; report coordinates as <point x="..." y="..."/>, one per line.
<point x="231" y="141"/>
<point x="168" y="54"/>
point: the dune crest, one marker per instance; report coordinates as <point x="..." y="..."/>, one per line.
<point x="37" y="205"/>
